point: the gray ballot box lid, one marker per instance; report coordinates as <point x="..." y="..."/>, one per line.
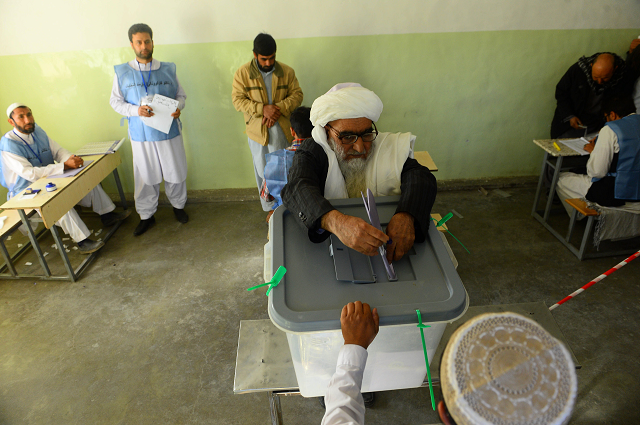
<point x="310" y="298"/>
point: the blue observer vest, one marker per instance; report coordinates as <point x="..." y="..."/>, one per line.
<point x="162" y="81"/>
<point x="627" y="183"/>
<point x="41" y="147"/>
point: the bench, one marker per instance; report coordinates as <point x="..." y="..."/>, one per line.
<point x="580" y="206"/>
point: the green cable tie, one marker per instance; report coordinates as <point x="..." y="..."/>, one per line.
<point x="444" y="220"/>
<point x="426" y="357"/>
<point x="275" y="280"/>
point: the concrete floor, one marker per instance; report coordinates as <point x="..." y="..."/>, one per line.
<point x="149" y="333"/>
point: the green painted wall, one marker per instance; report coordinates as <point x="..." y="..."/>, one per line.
<point x="475" y="100"/>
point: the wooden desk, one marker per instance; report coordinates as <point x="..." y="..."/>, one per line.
<point x="53" y="205"/>
<point x="425" y="159"/>
<point x="553" y="158"/>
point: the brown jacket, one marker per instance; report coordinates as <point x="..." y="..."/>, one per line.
<point x="249" y="94"/>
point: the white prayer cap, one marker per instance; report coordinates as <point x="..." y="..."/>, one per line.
<point x="506" y="369"/>
<point x="343" y="101"/>
<point x="14" y="106"/>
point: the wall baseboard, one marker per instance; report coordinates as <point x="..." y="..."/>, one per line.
<point x="251" y="194"/>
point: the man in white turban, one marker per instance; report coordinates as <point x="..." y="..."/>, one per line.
<point x="347" y="155"/>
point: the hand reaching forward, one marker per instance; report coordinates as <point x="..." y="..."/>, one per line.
<point x="354" y="232"/>
<point x="359" y="324"/>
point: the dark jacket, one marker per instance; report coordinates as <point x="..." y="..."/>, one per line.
<point x="304" y="193"/>
<point x="572" y="94"/>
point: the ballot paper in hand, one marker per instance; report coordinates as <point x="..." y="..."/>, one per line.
<point x="162" y="108"/>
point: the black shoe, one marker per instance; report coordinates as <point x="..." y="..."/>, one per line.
<point x="181" y="215"/>
<point x="144" y="225"/>
<point x="88" y="246"/>
<point x="111" y="218"/>
<point x="369" y="399"/>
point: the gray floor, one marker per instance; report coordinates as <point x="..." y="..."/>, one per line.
<point x="149" y="333"/>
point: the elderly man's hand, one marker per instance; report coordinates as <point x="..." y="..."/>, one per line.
<point x="354" y="232"/>
<point x="359" y="324"/>
<point x="402" y="233"/>
<point x="575" y="122"/>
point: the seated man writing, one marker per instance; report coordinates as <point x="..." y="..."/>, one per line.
<point x="346" y="156"/>
<point x="28" y="154"/>
<point x="613" y="170"/>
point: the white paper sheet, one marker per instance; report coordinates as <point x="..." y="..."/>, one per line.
<point x="162" y="107"/>
<point x="73" y="171"/>
<point x="576" y="144"/>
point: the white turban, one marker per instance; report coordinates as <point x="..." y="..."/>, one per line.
<point x="344" y="101"/>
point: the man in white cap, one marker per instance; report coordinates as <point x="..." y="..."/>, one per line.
<point x="497" y="368"/>
<point x="156" y="156"/>
<point x="27" y="154"/>
<point x="347" y="155"/>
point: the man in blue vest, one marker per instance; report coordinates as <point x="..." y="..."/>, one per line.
<point x="156" y="156"/>
<point x="613" y="170"/>
<point x="28" y="154"/>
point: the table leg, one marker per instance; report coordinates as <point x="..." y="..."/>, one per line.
<point x="63" y="253"/>
<point x="275" y="409"/>
<point x="116" y="176"/>
<point x="552" y="189"/>
<point x="34" y="243"/>
<point x="536" y="200"/>
<point x="7" y="259"/>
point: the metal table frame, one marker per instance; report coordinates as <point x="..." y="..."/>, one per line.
<point x="263" y="361"/>
<point x="72" y="274"/>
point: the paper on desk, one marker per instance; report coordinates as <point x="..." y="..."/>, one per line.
<point x="29" y="195"/>
<point x="162" y="107"/>
<point x="576" y="144"/>
<point x="72" y="172"/>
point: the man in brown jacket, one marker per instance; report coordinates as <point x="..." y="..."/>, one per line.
<point x="266" y="92"/>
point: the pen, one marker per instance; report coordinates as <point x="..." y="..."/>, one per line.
<point x="556" y="146"/>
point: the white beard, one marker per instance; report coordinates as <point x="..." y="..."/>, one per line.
<point x="353" y="170"/>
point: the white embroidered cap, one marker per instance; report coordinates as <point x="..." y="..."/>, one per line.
<point x="14" y="106"/>
<point x="505" y="368"/>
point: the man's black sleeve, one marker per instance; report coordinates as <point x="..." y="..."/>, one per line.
<point x="567" y="89"/>
<point x="303" y="195"/>
<point x="418" y="193"/>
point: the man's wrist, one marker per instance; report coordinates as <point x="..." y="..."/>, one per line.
<point x="328" y="220"/>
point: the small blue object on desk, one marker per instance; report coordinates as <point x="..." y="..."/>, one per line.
<point x="30" y="191"/>
<point x="51" y="187"/>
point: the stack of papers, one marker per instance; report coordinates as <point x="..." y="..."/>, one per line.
<point x="576" y="144"/>
<point x="100" y="148"/>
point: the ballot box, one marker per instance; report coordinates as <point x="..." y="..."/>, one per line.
<point x="308" y="300"/>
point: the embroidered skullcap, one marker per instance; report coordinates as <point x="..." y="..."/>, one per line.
<point x="343" y="101"/>
<point x="505" y="368"/>
<point x="14" y="106"/>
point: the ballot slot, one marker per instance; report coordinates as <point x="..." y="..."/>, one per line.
<point x="350" y="265"/>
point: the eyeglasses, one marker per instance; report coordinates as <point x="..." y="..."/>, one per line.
<point x="367" y="136"/>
